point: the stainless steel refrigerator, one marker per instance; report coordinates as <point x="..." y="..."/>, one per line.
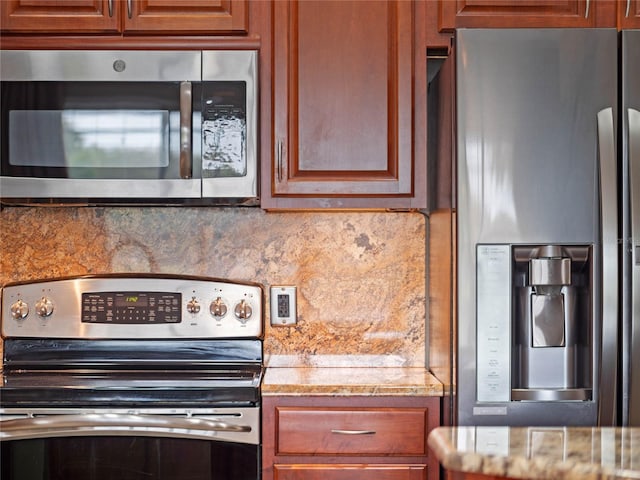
<point x="548" y="209"/>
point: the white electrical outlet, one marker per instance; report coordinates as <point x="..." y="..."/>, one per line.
<point x="283" y="305"/>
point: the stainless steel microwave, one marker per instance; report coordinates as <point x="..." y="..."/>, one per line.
<point x="128" y="126"/>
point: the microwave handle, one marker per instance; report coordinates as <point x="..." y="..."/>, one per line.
<point x="185" y="130"/>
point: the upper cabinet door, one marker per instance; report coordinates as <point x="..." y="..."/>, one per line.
<point x="187" y="16"/>
<point x="525" y="13"/>
<point x="343" y="103"/>
<point x="125" y="16"/>
<point x="628" y="14"/>
<point x="79" y="16"/>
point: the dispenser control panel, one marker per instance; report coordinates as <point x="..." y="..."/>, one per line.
<point x="493" y="323"/>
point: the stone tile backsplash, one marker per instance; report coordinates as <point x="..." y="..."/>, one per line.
<point x="360" y="275"/>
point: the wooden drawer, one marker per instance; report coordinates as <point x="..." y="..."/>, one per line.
<point x="350" y="472"/>
<point x="344" y="431"/>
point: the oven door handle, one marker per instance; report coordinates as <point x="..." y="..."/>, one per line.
<point x="95" y="424"/>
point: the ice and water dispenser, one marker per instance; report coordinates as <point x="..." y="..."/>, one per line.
<point x="535" y="325"/>
<point x="552" y="343"/>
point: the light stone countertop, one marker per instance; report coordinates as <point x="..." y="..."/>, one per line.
<point x="559" y="453"/>
<point x="367" y="381"/>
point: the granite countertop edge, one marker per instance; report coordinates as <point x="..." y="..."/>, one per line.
<point x="518" y="466"/>
<point x="345" y="381"/>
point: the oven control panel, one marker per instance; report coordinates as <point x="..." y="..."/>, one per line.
<point x="133" y="307"/>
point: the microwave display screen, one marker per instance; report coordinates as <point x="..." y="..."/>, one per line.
<point x="89" y="138"/>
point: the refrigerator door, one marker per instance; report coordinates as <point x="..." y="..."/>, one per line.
<point x="631" y="227"/>
<point x="536" y="112"/>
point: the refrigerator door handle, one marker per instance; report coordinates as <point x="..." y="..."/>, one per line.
<point x="609" y="222"/>
<point x="633" y="117"/>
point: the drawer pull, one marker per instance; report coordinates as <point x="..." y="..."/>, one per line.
<point x="353" y="432"/>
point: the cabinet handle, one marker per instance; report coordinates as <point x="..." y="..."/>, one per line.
<point x="129" y="12"/>
<point x="110" y="7"/>
<point x="185" y="130"/>
<point x="353" y="432"/>
<point x="586" y="10"/>
<point x="626" y="14"/>
<point x="279" y="160"/>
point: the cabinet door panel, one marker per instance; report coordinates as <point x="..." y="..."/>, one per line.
<point x="521" y="13"/>
<point x="343" y="97"/>
<point x="78" y="16"/>
<point x="628" y="14"/>
<point x="388" y="432"/>
<point x="192" y="16"/>
<point x="134" y="16"/>
<point x="349" y="472"/>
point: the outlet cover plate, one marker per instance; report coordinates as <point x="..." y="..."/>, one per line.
<point x="283" y="305"/>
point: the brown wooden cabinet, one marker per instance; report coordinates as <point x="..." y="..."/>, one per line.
<point x="349" y="105"/>
<point x="526" y="13"/>
<point x="340" y="438"/>
<point x="628" y="14"/>
<point x="349" y="472"/>
<point x="450" y="475"/>
<point x="125" y="16"/>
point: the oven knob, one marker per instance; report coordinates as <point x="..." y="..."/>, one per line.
<point x="243" y="311"/>
<point x="44" y="307"/>
<point x="218" y="308"/>
<point x="19" y="310"/>
<point x="193" y="306"/>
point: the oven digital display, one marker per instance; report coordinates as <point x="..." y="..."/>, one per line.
<point x="132" y="301"/>
<point x="132" y="307"/>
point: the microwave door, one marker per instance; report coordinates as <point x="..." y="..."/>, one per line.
<point x="91" y="125"/>
<point x="88" y="153"/>
<point x="79" y="145"/>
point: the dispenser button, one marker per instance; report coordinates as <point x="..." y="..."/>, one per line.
<point x="547" y="320"/>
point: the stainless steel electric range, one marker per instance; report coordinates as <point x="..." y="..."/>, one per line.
<point x="131" y="377"/>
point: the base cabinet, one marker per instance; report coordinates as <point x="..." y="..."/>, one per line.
<point x="342" y="438"/>
<point x="349" y="472"/>
<point x="451" y="475"/>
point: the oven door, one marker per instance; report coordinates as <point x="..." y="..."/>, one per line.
<point x="156" y="444"/>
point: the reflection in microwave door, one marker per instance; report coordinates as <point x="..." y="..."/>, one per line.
<point x="116" y="138"/>
<point x="224" y="147"/>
